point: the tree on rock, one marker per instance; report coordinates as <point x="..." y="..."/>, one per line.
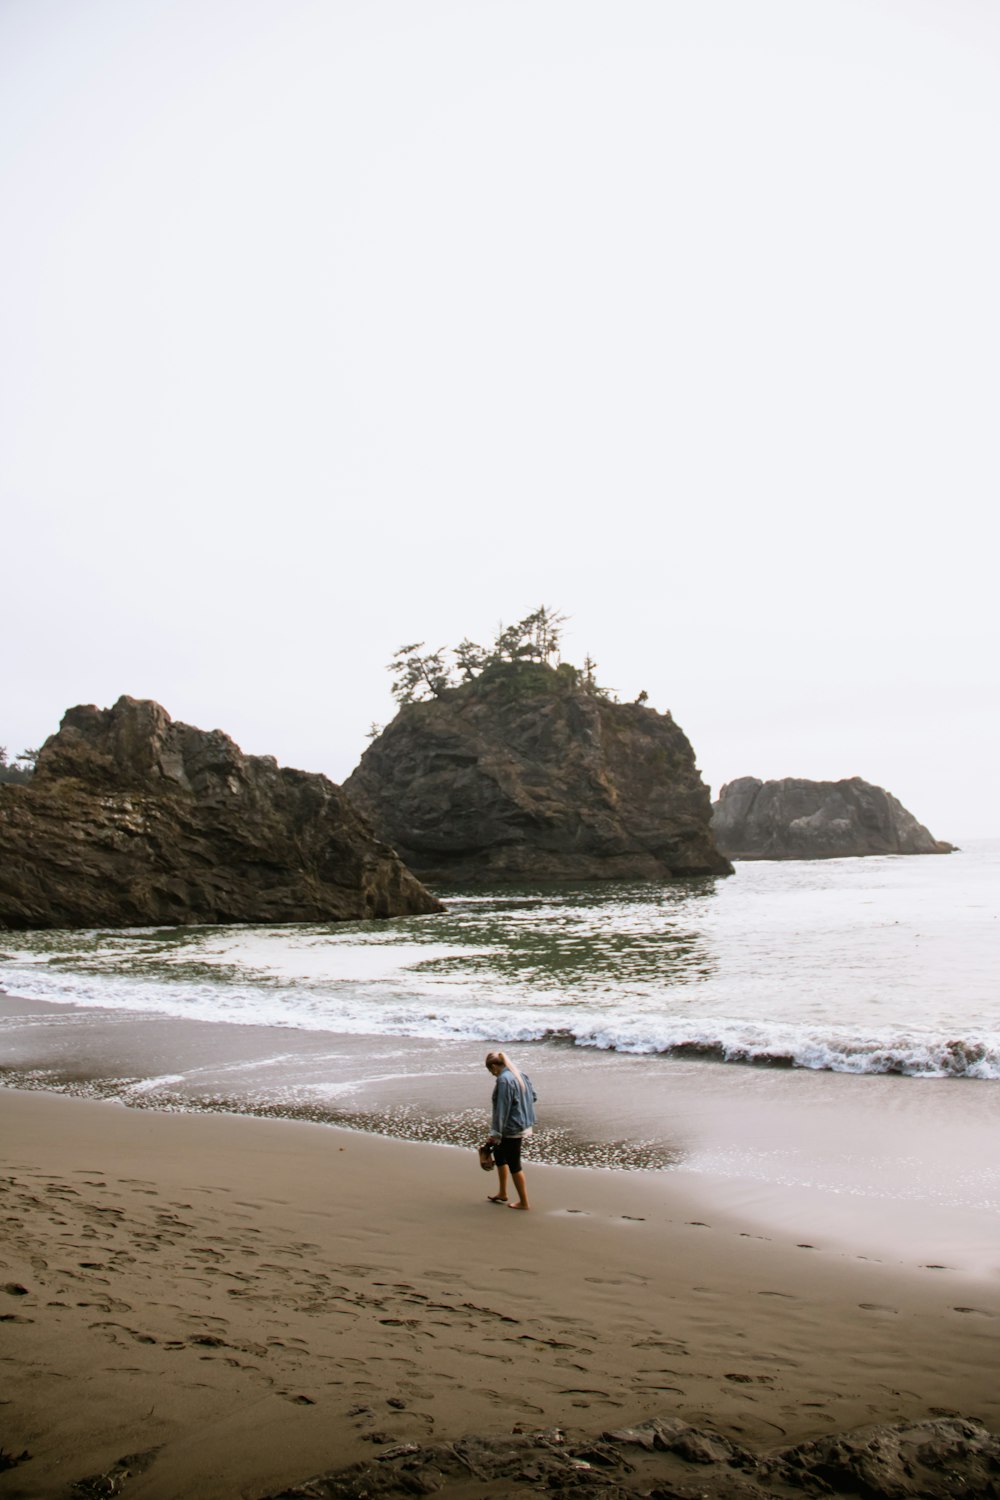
<point x="470" y="659"/>
<point x="535" y="638"/>
<point x="17" y="772"/>
<point x="418" y="676"/>
<point x="546" y="625"/>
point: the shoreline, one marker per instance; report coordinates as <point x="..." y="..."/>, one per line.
<point x="897" y="1169"/>
<point x="258" y="1300"/>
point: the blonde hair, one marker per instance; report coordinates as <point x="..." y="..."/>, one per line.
<point x="494" y="1059"/>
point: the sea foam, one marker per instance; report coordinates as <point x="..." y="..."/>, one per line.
<point x="850" y="966"/>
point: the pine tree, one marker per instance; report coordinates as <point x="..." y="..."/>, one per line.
<point x="470" y="659"/>
<point x="418" y="676"/>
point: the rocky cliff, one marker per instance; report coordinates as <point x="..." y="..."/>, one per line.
<point x="796" y="819"/>
<point x="132" y="819"/>
<point x="523" y="775"/>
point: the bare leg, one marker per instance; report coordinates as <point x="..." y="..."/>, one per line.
<point x="500" y="1196"/>
<point x="522" y="1191"/>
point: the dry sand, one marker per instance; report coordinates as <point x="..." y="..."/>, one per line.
<point x="257" y="1300"/>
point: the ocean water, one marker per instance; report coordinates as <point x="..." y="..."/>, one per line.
<point x="863" y="966"/>
<point x="813" y="1047"/>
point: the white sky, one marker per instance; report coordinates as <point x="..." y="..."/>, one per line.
<point x="330" y="326"/>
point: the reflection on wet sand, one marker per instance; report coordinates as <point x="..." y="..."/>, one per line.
<point x="409" y="1089"/>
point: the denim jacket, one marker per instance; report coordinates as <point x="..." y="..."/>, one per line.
<point x="513" y="1107"/>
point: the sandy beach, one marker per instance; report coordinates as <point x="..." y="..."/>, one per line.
<point x="250" y="1302"/>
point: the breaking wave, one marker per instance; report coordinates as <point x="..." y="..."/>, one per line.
<point x="365" y="1009"/>
<point x="855" y="966"/>
<point x="912" y="1056"/>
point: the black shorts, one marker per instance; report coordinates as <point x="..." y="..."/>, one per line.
<point x="508" y="1153"/>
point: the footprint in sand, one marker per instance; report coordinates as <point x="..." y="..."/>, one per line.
<point x="508" y="1400"/>
<point x="530" y="1338"/>
<point x="107" y="1305"/>
<point x="489" y="1312"/>
<point x="583" y="1390"/>
<point x="878" y="1307"/>
<point x="980" y="1310"/>
<point x="112" y="1330"/>
<point x="630" y="1277"/>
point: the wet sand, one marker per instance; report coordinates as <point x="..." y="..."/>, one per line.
<point x="249" y="1302"/>
<point x="900" y="1169"/>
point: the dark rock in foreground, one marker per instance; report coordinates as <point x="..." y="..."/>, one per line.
<point x="523" y="775"/>
<point x="133" y="820"/>
<point x="796" y="819"/>
<point x="668" y="1460"/>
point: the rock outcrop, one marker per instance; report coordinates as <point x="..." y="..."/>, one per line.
<point x="523" y="775"/>
<point x="796" y="819"/>
<point x="666" y="1459"/>
<point x="131" y="819"/>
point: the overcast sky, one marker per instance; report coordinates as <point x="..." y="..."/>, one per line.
<point x="329" y="325"/>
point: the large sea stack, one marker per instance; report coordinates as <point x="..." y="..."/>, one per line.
<point x="797" y="819"/>
<point x="131" y="819"/>
<point x="522" y="774"/>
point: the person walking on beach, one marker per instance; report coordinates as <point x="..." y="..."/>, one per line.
<point x="513" y="1118"/>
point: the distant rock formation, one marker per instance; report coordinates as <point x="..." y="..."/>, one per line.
<point x="133" y="820"/>
<point x="797" y="819"/>
<point x="524" y="774"/>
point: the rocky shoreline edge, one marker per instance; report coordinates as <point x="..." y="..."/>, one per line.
<point x="667" y="1459"/>
<point x="662" y="1459"/>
